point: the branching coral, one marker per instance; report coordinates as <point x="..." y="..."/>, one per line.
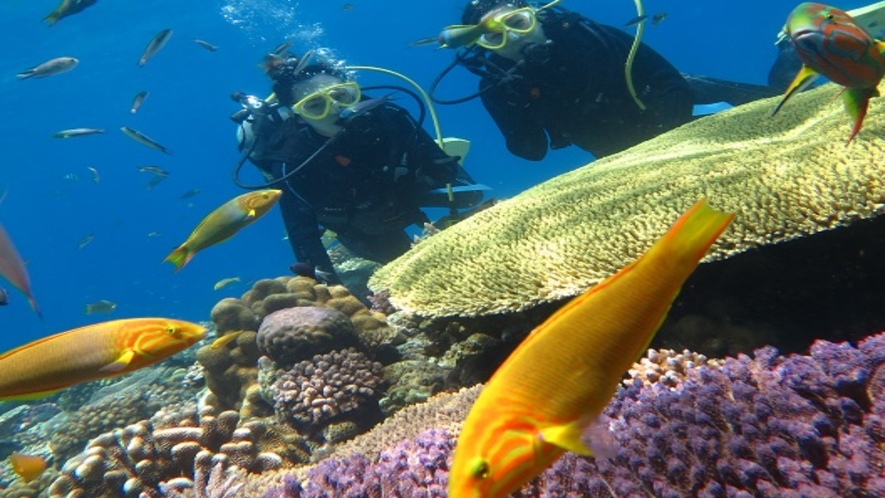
<point x="768" y="426"/>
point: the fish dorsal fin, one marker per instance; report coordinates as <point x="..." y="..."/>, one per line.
<point x="120" y="363"/>
<point x="568" y="437"/>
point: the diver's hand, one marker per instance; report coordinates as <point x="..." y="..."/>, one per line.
<point x="439" y="172"/>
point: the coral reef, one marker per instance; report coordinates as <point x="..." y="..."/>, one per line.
<point x="341" y="385"/>
<point x="667" y="367"/>
<point x="291" y="335"/>
<point x="560" y="238"/>
<point x="231" y="372"/>
<point x="133" y="461"/>
<point x="767" y="426"/>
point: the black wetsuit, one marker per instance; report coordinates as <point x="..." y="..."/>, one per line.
<point x="367" y="186"/>
<point x="573" y="91"/>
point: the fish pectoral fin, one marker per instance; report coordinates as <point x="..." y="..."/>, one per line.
<point x="856" y="102"/>
<point x="251" y="213"/>
<point x="805" y="77"/>
<point x="568" y="437"/>
<point x="120" y="363"/>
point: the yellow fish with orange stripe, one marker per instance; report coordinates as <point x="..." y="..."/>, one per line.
<point x="92" y="352"/>
<point x="545" y="398"/>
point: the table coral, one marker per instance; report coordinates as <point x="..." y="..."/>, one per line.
<point x="783" y="176"/>
<point x="762" y="426"/>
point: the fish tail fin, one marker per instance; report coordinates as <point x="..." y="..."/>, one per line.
<point x="179" y="257"/>
<point x="52" y="18"/>
<point x="695" y="231"/>
<point x="25" y="74"/>
<point x="803" y="79"/>
<point x="856" y="102"/>
<point x="33" y="303"/>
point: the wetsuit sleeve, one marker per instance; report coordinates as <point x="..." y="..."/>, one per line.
<point x="524" y="135"/>
<point x="302" y="229"/>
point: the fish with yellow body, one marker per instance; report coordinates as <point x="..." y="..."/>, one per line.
<point x="92" y="352"/>
<point x="545" y="398"/>
<point x="224" y="223"/>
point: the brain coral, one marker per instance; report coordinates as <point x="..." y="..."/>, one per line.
<point x="785" y="176"/>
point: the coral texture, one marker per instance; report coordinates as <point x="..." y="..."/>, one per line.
<point x="327" y="387"/>
<point x="782" y="174"/>
<point x="133" y="461"/>
<point x="290" y="335"/>
<point x="767" y="426"/>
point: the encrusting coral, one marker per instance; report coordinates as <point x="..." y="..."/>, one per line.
<point x="768" y="426"/>
<point x="786" y="176"/>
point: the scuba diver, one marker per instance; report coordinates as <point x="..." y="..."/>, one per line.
<point x="358" y="166"/>
<point x="552" y="78"/>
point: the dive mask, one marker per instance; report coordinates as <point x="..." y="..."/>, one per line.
<point x="318" y="104"/>
<point x="520" y="21"/>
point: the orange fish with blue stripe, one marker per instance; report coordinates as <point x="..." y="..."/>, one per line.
<point x="93" y="352"/>
<point x="831" y="43"/>
<point x="545" y="398"/>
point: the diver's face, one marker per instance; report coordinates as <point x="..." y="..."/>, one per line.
<point x="520" y="28"/>
<point x="318" y="110"/>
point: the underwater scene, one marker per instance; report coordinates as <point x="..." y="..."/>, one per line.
<point x="468" y="249"/>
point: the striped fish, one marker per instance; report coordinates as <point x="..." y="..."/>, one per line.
<point x="545" y="398"/>
<point x="92" y="352"/>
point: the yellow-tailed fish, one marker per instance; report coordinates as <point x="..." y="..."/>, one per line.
<point x="67" y="8"/>
<point x="12" y="268"/>
<point x="28" y="467"/>
<point x="546" y="396"/>
<point x="223" y="223"/>
<point x="92" y="352"/>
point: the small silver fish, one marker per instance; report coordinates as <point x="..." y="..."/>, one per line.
<point x="636" y="20"/>
<point x="101" y="306"/>
<point x="49" y="68"/>
<point x="208" y="46"/>
<point x="94" y="172"/>
<point x="71" y="177"/>
<point x="281" y="49"/>
<point x="144" y="139"/>
<point x="154" y="181"/>
<point x="190" y="193"/>
<point x="657" y="18"/>
<point x="156" y="44"/>
<point x="154" y="170"/>
<point x="138" y="100"/>
<point x="154" y="234"/>
<point x="85" y="241"/>
<point x="77" y="132"/>
<point x="224" y="282"/>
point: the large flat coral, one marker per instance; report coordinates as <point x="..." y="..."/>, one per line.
<point x="785" y="176"/>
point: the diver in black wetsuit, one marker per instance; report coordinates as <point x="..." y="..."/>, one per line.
<point x="364" y="177"/>
<point x="553" y="78"/>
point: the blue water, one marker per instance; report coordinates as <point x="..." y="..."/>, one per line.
<point x="187" y="110"/>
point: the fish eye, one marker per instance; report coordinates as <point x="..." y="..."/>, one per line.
<point x="479" y="468"/>
<point x="173" y="330"/>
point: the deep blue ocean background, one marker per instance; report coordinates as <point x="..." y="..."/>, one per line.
<point x="52" y="202"/>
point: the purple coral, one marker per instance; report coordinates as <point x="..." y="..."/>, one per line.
<point x="327" y="387"/>
<point x="768" y="426"/>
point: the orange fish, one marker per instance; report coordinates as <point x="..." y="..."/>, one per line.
<point x="224" y="223"/>
<point x="545" y="398"/>
<point x="13" y="269"/>
<point x="92" y="352"/>
<point x="28" y="467"/>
